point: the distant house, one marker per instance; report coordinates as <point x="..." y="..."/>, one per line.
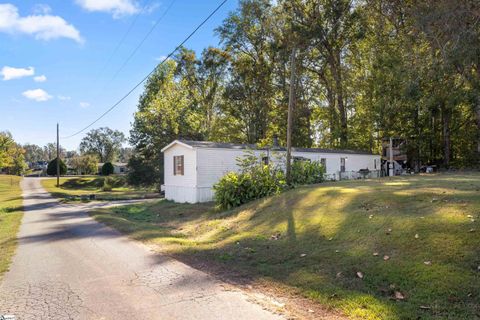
<point x="118" y="168"/>
<point x="191" y="168"/>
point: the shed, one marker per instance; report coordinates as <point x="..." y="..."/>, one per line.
<point x="191" y="168"/>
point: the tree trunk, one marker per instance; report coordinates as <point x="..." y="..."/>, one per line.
<point x="337" y="75"/>
<point x="446" y="116"/>
<point x="477" y="114"/>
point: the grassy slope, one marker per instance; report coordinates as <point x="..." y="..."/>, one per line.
<point x="10" y="218"/>
<point x="85" y="185"/>
<point x="339" y="226"/>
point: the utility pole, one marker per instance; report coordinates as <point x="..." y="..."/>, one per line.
<point x="58" y="159"/>
<point x="390" y="164"/>
<point x="291" y="101"/>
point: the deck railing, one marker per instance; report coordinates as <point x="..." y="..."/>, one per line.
<point x="353" y="175"/>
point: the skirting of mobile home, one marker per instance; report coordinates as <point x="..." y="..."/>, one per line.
<point x="191" y="168"/>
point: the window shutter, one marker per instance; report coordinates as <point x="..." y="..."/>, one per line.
<point x="181" y="163"/>
<point x="174" y="165"/>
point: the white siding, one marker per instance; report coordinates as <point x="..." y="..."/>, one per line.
<point x="181" y="188"/>
<point x="203" y="167"/>
<point x="353" y="162"/>
<point x="212" y="164"/>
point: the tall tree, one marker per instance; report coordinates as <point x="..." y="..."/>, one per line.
<point x="103" y="142"/>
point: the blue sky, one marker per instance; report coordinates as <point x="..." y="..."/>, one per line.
<point x="55" y="67"/>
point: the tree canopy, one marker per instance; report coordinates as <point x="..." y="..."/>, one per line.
<point x="103" y="142"/>
<point x="365" y="70"/>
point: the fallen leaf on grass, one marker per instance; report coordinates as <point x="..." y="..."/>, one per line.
<point x="388" y="231"/>
<point x="399" y="296"/>
<point x="339" y="274"/>
<point x="370" y="216"/>
<point x="385" y="258"/>
<point x="427" y="263"/>
<point x="471" y="230"/>
<point x="360" y="274"/>
<point x="337" y="251"/>
<point x="425" y="307"/>
<point x="303" y="255"/>
<point x="375" y="254"/>
<point x="469" y="216"/>
<point x="417" y="236"/>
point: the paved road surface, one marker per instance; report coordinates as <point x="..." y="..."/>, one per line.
<point x="68" y="266"/>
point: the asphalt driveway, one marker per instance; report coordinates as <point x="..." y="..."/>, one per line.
<point x="68" y="266"/>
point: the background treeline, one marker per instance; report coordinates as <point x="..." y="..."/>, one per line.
<point x="12" y="155"/>
<point x="365" y="70"/>
<point x="101" y="145"/>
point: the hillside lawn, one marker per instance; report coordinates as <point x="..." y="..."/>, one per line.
<point x="73" y="188"/>
<point x="10" y="218"/>
<point x="330" y="243"/>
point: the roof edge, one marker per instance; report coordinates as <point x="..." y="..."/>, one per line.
<point x="168" y="146"/>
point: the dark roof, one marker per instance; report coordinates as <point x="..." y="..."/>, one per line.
<point x="224" y="145"/>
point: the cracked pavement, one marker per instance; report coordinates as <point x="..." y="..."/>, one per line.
<point x="68" y="266"/>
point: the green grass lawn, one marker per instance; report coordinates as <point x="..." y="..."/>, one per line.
<point x="75" y="187"/>
<point x="319" y="239"/>
<point x="10" y="218"/>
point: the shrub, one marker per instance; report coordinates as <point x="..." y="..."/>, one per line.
<point x="107" y="184"/>
<point x="257" y="180"/>
<point x="144" y="171"/>
<point x="52" y="168"/>
<point x="107" y="169"/>
<point x="235" y="189"/>
<point x="307" y="172"/>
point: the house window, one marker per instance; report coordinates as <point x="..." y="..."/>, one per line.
<point x="323" y="162"/>
<point x="342" y="164"/>
<point x="178" y="165"/>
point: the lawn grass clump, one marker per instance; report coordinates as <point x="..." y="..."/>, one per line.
<point x="11" y="213"/>
<point x="393" y="248"/>
<point x="113" y="187"/>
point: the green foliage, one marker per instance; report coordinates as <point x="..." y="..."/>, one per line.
<point x="12" y="158"/>
<point x="86" y="164"/>
<point x="107" y="169"/>
<point x="307" y="172"/>
<point x="365" y="70"/>
<point x="103" y="142"/>
<point x="235" y="189"/>
<point x="255" y="180"/>
<point x="52" y="168"/>
<point x="144" y="171"/>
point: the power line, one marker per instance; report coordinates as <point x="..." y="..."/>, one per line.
<point x="150" y="73"/>
<point x="141" y="42"/>
<point x="122" y="40"/>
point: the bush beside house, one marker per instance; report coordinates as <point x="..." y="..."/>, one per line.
<point x="257" y="180"/>
<point x="52" y="167"/>
<point x="107" y="169"/>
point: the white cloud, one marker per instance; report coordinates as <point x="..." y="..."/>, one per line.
<point x="42" y="8"/>
<point x="151" y="7"/>
<point x="117" y="8"/>
<point x="10" y="73"/>
<point x="37" y="95"/>
<point x="64" y="98"/>
<point x="41" y="26"/>
<point x="84" y="104"/>
<point x="41" y="78"/>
